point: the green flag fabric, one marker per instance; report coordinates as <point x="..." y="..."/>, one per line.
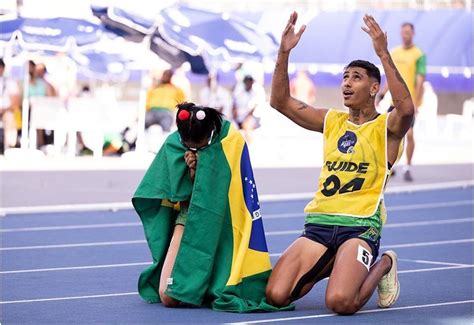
<point x="223" y="259"/>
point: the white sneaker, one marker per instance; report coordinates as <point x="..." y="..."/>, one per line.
<point x="389" y="287"/>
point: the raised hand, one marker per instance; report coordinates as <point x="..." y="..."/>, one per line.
<point x="379" y="38"/>
<point x="289" y="38"/>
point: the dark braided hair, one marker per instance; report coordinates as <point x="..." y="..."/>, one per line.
<point x="194" y="129"/>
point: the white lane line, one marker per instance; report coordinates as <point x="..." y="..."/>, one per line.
<point x="430" y="262"/>
<point x="430" y="187"/>
<point x="430" y="205"/>
<point x="69" y="268"/>
<point x="408" y="207"/>
<point x="390" y="190"/>
<point x="103" y="266"/>
<point x="369" y="311"/>
<point x="69" y="298"/>
<point x="74" y="227"/>
<point x="432" y="243"/>
<point x="428" y="223"/>
<point x="113" y="206"/>
<point x="93" y="244"/>
<point x="136" y="224"/>
<point x="135" y="293"/>
<point x="131" y="242"/>
<point x="436" y="269"/>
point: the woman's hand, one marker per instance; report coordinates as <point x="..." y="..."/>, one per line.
<point x="191" y="160"/>
<point x="379" y="38"/>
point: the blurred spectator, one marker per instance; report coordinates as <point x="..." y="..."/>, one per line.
<point x="40" y="87"/>
<point x="41" y="78"/>
<point x="429" y="104"/>
<point x="86" y="91"/>
<point x="427" y="118"/>
<point x="246" y="101"/>
<point x="63" y="72"/>
<point x="468" y="109"/>
<point x="181" y="81"/>
<point x="9" y="107"/>
<point x="215" y="96"/>
<point x="161" y="102"/>
<point x="303" y="88"/>
<point x="113" y="144"/>
<point x="83" y="150"/>
<point x="411" y="63"/>
<point x="253" y="69"/>
<point x="112" y="141"/>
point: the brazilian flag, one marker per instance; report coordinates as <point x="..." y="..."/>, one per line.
<point x="223" y="259"/>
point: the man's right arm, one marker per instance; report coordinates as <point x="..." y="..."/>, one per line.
<point x="280" y="98"/>
<point x="299" y="112"/>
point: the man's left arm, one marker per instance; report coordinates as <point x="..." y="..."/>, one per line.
<point x="420" y="79"/>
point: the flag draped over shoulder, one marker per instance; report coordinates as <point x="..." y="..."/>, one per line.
<point x="223" y="258"/>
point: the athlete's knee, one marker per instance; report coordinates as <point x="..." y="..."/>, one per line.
<point x="342" y="303"/>
<point x="277" y="296"/>
<point x="167" y="301"/>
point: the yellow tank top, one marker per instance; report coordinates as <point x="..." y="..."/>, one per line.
<point x="410" y="62"/>
<point x="355" y="169"/>
<point x="165" y="96"/>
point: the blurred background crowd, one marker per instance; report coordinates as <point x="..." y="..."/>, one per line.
<point x="102" y="78"/>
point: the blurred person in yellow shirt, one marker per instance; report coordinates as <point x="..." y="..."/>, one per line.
<point x="411" y="63"/>
<point x="161" y="102"/>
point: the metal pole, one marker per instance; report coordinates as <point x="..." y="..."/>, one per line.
<point x="141" y="145"/>
<point x="25" y="110"/>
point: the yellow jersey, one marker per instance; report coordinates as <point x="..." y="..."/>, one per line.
<point x="355" y="169"/>
<point x="410" y="63"/>
<point x="164" y="96"/>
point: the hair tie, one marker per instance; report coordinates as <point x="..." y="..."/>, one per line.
<point x="200" y="115"/>
<point x="183" y="115"/>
